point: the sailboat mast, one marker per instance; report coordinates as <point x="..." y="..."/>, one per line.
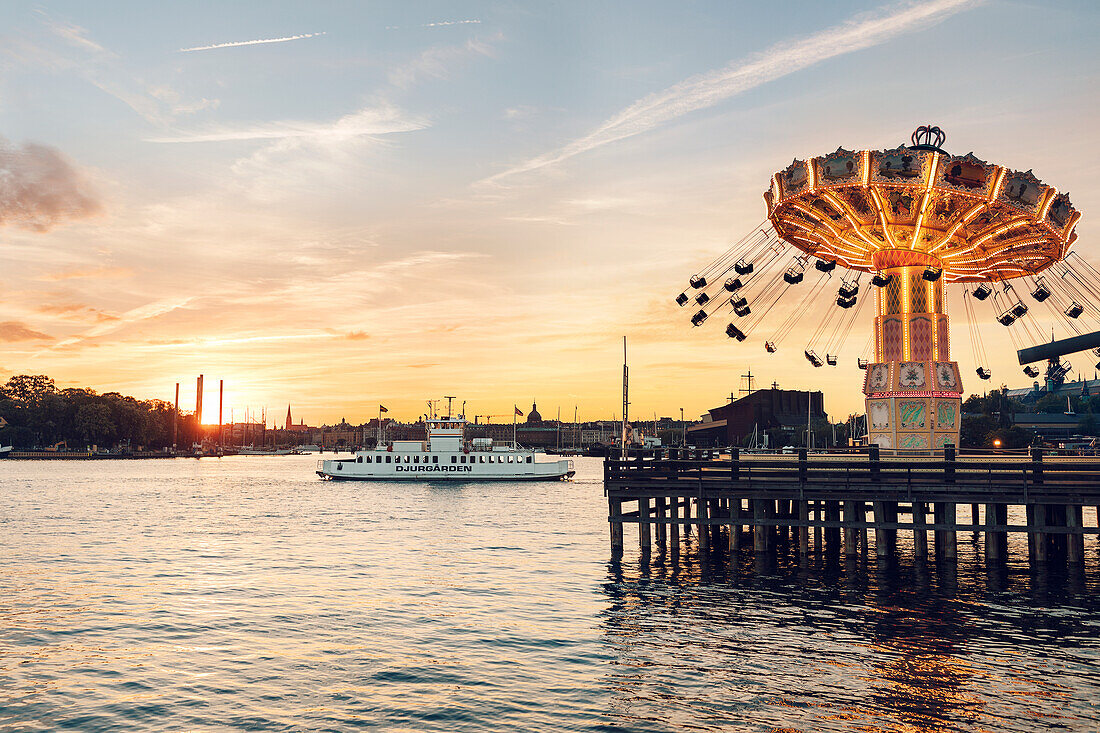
<point x="626" y="395"/>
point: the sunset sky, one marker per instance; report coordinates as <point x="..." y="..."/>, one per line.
<point x="336" y="205"/>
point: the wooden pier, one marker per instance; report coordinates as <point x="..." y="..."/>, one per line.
<point x="848" y="502"/>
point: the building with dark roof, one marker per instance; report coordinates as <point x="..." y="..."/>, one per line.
<point x="760" y="411"/>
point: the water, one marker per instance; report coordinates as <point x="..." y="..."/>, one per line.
<point x="243" y="593"/>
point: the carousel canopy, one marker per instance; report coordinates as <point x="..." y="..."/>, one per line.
<point x="917" y="205"/>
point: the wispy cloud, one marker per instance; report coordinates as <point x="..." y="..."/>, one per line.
<point x="436" y="24"/>
<point x="705" y="90"/>
<point x="257" y="42"/>
<point x="379" y="120"/>
<point x="438" y="61"/>
<point x="136" y="315"/>
<point x="93" y="272"/>
<point x="13" y="331"/>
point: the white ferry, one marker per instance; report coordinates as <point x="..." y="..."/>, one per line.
<point x="445" y="455"/>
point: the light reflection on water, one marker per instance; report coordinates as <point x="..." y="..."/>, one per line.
<point x="168" y="595"/>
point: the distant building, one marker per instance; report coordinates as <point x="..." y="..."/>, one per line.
<point x="1030" y="395"/>
<point x="291" y="427"/>
<point x="1049" y="426"/>
<point x="762" y="410"/>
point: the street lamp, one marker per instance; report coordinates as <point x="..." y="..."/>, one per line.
<point x="997" y="444"/>
<point x="683" y="429"/>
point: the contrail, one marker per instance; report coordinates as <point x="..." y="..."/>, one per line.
<point x="252" y="43"/>
<point x="436" y="24"/>
<point x="710" y="88"/>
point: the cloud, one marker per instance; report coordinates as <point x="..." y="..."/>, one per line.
<point x="94" y="272"/>
<point x="379" y="120"/>
<point x="437" y="24"/>
<point x="78" y="54"/>
<point x="76" y="311"/>
<point x="135" y="315"/>
<point x="705" y="90"/>
<point x="40" y="188"/>
<point x="234" y="44"/>
<point x="437" y="62"/>
<point x="12" y="331"/>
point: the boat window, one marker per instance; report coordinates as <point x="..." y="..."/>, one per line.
<point x="435" y="459"/>
<point x="454" y="459"/>
<point x="416" y="459"/>
<point x="339" y="466"/>
<point x="509" y="459"/>
<point x="387" y="459"/>
<point x="359" y="459"/>
<point x="482" y="459"/>
<point x="529" y="459"/>
<point x="462" y="459"/>
<point x="408" y="459"/>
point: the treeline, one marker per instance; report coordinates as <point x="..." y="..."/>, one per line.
<point x="38" y="415"/>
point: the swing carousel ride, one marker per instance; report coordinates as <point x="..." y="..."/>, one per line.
<point x="906" y="223"/>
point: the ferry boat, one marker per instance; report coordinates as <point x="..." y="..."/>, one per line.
<point x="446" y="456"/>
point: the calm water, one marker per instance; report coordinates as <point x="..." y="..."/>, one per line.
<point x="243" y="593"/>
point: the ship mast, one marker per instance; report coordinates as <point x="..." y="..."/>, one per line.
<point x="626" y="395"/>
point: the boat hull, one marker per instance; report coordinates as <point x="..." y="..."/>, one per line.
<point x="465" y="478"/>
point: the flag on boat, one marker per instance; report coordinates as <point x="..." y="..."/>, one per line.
<point x="382" y="409"/>
<point x="518" y="411"/>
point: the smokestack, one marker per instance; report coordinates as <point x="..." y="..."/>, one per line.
<point x="221" y="395"/>
<point x="176" y="415"/>
<point x="198" y="402"/>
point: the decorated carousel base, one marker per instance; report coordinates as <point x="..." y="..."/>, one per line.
<point x="913" y="405"/>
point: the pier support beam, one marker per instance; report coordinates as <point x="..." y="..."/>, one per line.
<point x="674" y="526"/>
<point x="614" y="512"/>
<point x="661" y="527"/>
<point x="946" y="547"/>
<point x="1075" y="541"/>
<point x="996" y="543"/>
<point x="735" y="526"/>
<point x="884" y="538"/>
<point x="920" y="534"/>
<point x="804" y="531"/>
<point x="643" y="525"/>
<point x="832" y="534"/>
<point x="702" y="509"/>
<point x="819" y="515"/>
<point x="850" y="513"/>
<point x="761" y="534"/>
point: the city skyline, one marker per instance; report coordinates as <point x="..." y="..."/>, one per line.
<point x="334" y="207"/>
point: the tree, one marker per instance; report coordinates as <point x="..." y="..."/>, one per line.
<point x="93" y="422"/>
<point x="1087" y="425"/>
<point x="1053" y="404"/>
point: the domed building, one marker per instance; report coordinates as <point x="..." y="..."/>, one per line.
<point x="533" y="416"/>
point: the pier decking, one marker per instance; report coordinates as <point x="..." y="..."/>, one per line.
<point x="733" y="497"/>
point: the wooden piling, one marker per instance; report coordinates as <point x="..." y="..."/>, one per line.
<point x="674" y="526"/>
<point x="662" y="528"/>
<point x="849" y="529"/>
<point x="1075" y="541"/>
<point x="735" y="525"/>
<point x="614" y="512"/>
<point x="702" y="510"/>
<point x="819" y="516"/>
<point x="760" y="531"/>
<point x="804" y="530"/>
<point x="946" y="541"/>
<point x="920" y="534"/>
<point x="882" y="538"/>
<point x="643" y="525"/>
<point x="832" y="534"/>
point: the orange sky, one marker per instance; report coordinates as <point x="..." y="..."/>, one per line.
<point x="441" y="217"/>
